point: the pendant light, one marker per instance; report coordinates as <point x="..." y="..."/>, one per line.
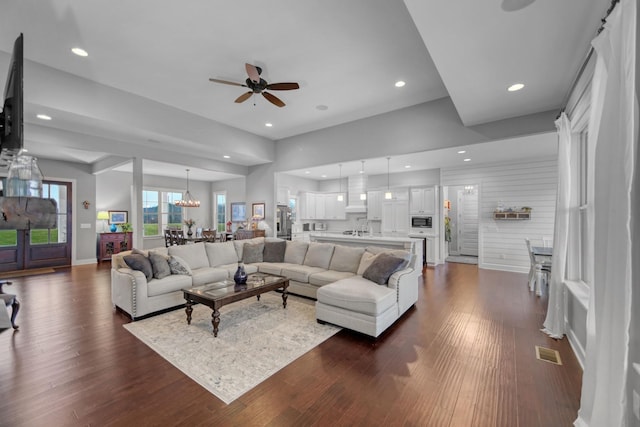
<point x="340" y="195"/>
<point x="387" y="194"/>
<point x="363" y="195"/>
<point x="188" y="201"/>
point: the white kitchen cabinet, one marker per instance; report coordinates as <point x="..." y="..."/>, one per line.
<point x="431" y="250"/>
<point x="303" y="236"/>
<point x="374" y="205"/>
<point x="395" y="217"/>
<point x="308" y="206"/>
<point x="322" y="206"/>
<point x="422" y="201"/>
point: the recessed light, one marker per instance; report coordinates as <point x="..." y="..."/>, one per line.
<point x="307" y="172"/>
<point x="400" y="83"/>
<point x="43" y="117"/>
<point x="323" y="176"/>
<point x="80" y="52"/>
<point x="407" y="166"/>
<point x="226" y="157"/>
<point x="322" y="107"/>
<point x="467" y="160"/>
<point x="515" y="87"/>
<point x="268" y="125"/>
<point x="462" y="151"/>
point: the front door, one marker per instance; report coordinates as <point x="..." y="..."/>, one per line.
<point x="39" y="248"/>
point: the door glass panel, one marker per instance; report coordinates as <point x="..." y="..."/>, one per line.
<point x="58" y="234"/>
<point x="8" y="238"/>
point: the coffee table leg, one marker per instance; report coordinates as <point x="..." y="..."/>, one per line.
<point x="189" y="310"/>
<point x="258" y="296"/>
<point x="284" y="297"/>
<point x="215" y="321"/>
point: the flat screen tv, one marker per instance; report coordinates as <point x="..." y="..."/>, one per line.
<point x="11" y="125"/>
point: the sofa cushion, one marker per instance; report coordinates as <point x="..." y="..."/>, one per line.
<point x="274" y="251"/>
<point x="329" y="276"/>
<point x="178" y="266"/>
<point x="300" y="273"/>
<point x="159" y="264"/>
<point x="295" y="252"/>
<point x="365" y="262"/>
<point x="168" y="284"/>
<point x="205" y="275"/>
<point x="359" y="295"/>
<point x="221" y="253"/>
<point x="346" y="258"/>
<point x="195" y="255"/>
<point x="141" y="263"/>
<point x="382" y="267"/>
<point x="319" y="255"/>
<point x="273" y="267"/>
<point x="252" y="252"/>
<point x="239" y="244"/>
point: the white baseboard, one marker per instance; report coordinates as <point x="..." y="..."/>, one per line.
<point x="502" y="267"/>
<point x="84" y="261"/>
<point x="577" y="348"/>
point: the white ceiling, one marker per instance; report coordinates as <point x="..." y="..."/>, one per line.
<point x="344" y="54"/>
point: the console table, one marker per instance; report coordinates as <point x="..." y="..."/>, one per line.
<point x="113" y="243"/>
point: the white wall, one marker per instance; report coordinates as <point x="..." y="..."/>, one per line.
<point x="532" y="183"/>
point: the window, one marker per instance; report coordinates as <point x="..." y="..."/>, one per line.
<point x="292" y="206"/>
<point x="585" y="234"/>
<point x="159" y="211"/>
<point x="221" y="211"/>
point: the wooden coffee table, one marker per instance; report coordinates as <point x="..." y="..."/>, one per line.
<point x="215" y="295"/>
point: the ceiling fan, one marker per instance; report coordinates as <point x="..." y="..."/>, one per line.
<point x="259" y="85"/>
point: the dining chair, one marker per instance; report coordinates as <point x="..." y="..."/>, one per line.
<point x="177" y="237"/>
<point x="168" y="239"/>
<point x="10" y="300"/>
<point x="209" y="235"/>
<point x="538" y="272"/>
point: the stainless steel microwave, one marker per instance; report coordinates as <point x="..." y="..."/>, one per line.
<point x="421" y="221"/>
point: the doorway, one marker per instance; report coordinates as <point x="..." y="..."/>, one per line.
<point x="40" y="248"/>
<point x="462" y="202"/>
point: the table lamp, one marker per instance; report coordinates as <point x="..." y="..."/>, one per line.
<point x="103" y="215"/>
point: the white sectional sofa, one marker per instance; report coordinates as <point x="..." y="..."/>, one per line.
<point x="337" y="276"/>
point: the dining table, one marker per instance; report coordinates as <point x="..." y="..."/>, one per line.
<point x="546" y="251"/>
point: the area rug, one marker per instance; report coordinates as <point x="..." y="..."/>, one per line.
<point x="255" y="340"/>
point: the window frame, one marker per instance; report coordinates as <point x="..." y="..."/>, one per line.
<point x="163" y="198"/>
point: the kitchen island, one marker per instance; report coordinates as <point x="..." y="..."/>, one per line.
<point x="391" y="242"/>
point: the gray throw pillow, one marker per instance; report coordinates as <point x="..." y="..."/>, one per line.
<point x="274" y="251"/>
<point x="178" y="266"/>
<point x="160" y="265"/>
<point x="252" y="252"/>
<point x="382" y="267"/>
<point x="141" y="263"/>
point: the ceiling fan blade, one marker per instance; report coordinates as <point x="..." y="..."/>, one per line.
<point x="513" y="5"/>
<point x="283" y="86"/>
<point x="244" y="97"/>
<point x="253" y="73"/>
<point x="273" y="99"/>
<point x="227" y="83"/>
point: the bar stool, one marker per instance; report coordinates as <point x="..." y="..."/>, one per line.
<point x="10" y="300"/>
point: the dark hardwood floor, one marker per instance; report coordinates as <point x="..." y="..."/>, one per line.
<point x="464" y="356"/>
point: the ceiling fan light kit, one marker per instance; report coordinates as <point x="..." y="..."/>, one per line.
<point x="257" y="84"/>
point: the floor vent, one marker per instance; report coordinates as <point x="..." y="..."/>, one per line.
<point x="548" y="355"/>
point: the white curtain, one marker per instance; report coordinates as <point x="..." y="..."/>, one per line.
<point x="554" y="323"/>
<point x="614" y="128"/>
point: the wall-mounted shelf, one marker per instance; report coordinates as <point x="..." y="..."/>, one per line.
<point x="512" y="215"/>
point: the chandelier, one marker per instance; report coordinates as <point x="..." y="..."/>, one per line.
<point x="189" y="201"/>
